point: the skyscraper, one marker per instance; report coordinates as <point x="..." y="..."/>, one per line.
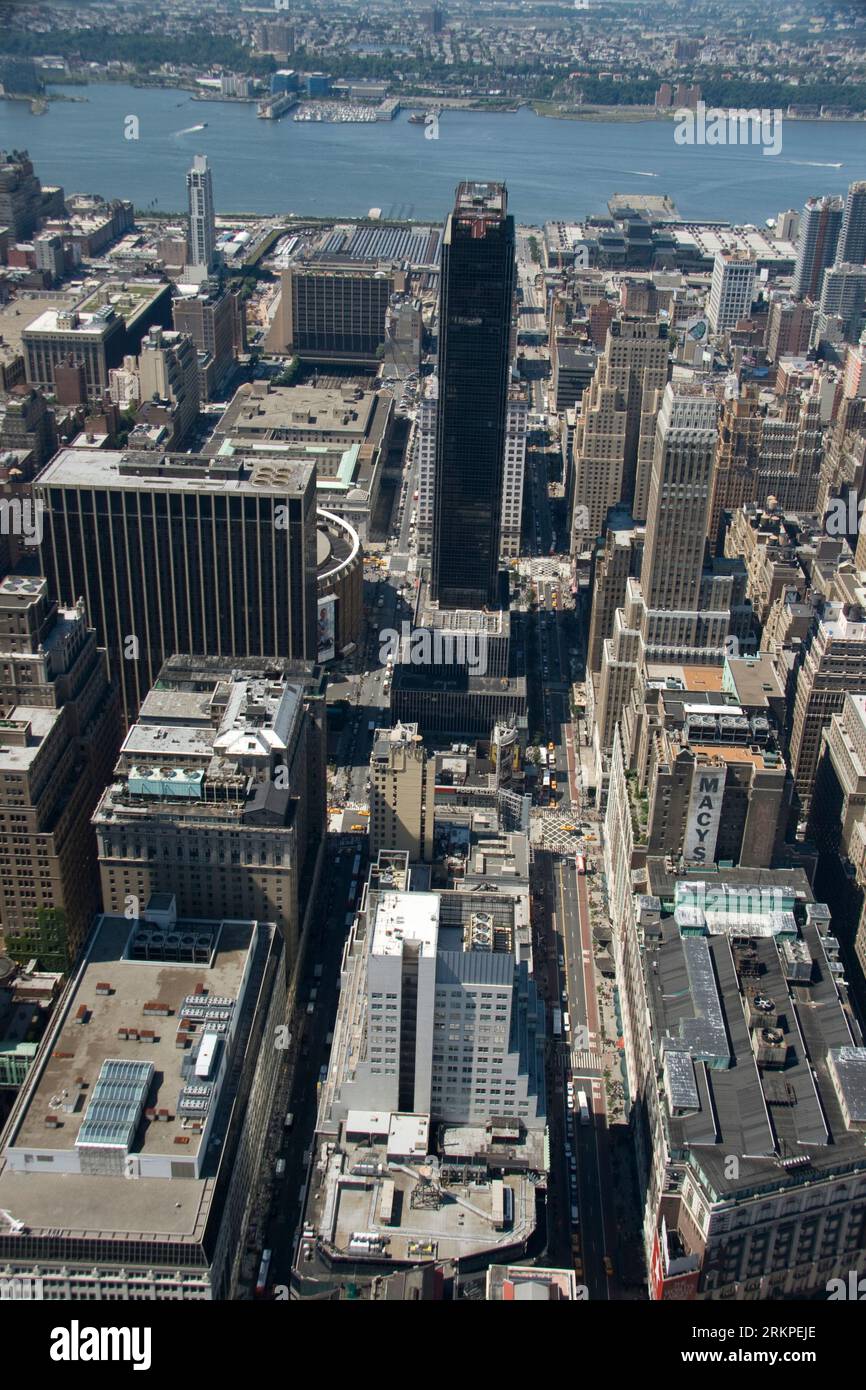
<point x="731" y="289"/>
<point x="816" y="247"/>
<point x="679" y="498"/>
<point x="60" y="735"/>
<point x="183" y="554"/>
<point x="202" y="236"/>
<point x="476" y="296"/>
<point x="852" y="238"/>
<point x="613" y="440"/>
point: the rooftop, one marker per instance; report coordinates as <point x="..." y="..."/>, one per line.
<point x="111" y="468"/>
<point x="406" y="917"/>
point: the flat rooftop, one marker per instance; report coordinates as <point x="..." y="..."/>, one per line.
<point x="406" y="917"/>
<point x="692" y="677"/>
<point x="116" y="469"/>
<point x="23" y="732"/>
<point x="748" y="1014"/>
<point x="79" y="1049"/>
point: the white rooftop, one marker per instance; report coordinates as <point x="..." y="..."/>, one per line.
<point x="406" y="917"/>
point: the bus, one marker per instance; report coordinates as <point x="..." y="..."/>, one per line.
<point x="580" y="863"/>
<point x="557" y="1023"/>
<point x="583" y="1107"/>
<point x="264" y="1270"/>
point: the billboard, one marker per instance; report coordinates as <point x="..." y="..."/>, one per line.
<point x="704" y="814"/>
<point x="327" y="627"/>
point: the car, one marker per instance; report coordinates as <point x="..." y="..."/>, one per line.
<point x="608" y="1265"/>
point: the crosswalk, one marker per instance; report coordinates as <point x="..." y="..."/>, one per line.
<point x="585" y="1059"/>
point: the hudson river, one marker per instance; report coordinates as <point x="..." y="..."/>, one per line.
<point x="554" y="168"/>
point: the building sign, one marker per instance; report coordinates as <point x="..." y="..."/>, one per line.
<point x="327" y="627"/>
<point x="668" y="1286"/>
<point x="705" y="814"/>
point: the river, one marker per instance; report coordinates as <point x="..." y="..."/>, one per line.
<point x="553" y="168"/>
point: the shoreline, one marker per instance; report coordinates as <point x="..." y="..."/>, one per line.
<point x="543" y="109"/>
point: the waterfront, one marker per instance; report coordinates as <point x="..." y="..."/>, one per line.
<point x="554" y="168"/>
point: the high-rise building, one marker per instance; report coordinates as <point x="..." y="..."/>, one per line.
<point x="61" y="727"/>
<point x="767" y="449"/>
<point x="476" y="301"/>
<point x="679" y="498"/>
<point x="731" y="289"/>
<point x="617" y="558"/>
<point x="516" y="421"/>
<point x="214" y="319"/>
<point x="182" y="553"/>
<point x="852" y="238"/>
<point x="168" y="373"/>
<point x="202" y="227"/>
<point x="615" y="429"/>
<point x="789" y="327"/>
<point x="442" y="1014"/>
<point x="152" y="1098"/>
<point x="20" y="195"/>
<point x="425" y="462"/>
<point x="218" y="795"/>
<point x="820" y="226"/>
<point x="332" y="313"/>
<point x="834" y="665"/>
<point x="402" y="793"/>
<point x="843" y="299"/>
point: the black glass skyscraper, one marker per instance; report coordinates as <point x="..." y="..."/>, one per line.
<point x="475" y="307"/>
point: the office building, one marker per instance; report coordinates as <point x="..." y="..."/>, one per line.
<point x="214" y="318"/>
<point x="133" y="1156"/>
<point x="402" y="793"/>
<point x="852" y="237"/>
<point x="21" y="200"/>
<point x="746" y="1070"/>
<point x="820" y="225"/>
<point x="681" y="611"/>
<point x="202" y="226"/>
<point x="516" y="421"/>
<point x="180" y="553"/>
<point x="834" y="664"/>
<point x="618" y="558"/>
<point x="574" y="366"/>
<point x="843" y="299"/>
<point x="454" y="671"/>
<point x="731" y="289"/>
<point x="614" y="433"/>
<point x="789" y="328"/>
<point x="767" y="449"/>
<point x="332" y="313"/>
<point x="476" y="303"/>
<point x="50" y="255"/>
<point x="445" y="1019"/>
<point x="95" y="340"/>
<point x="28" y="427"/>
<point x="425" y="463"/>
<point x="218" y="793"/>
<point x="168" y="376"/>
<point x="424" y="449"/>
<point x="60" y="727"/>
<point x="679" y="496"/>
<point x="95" y="333"/>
